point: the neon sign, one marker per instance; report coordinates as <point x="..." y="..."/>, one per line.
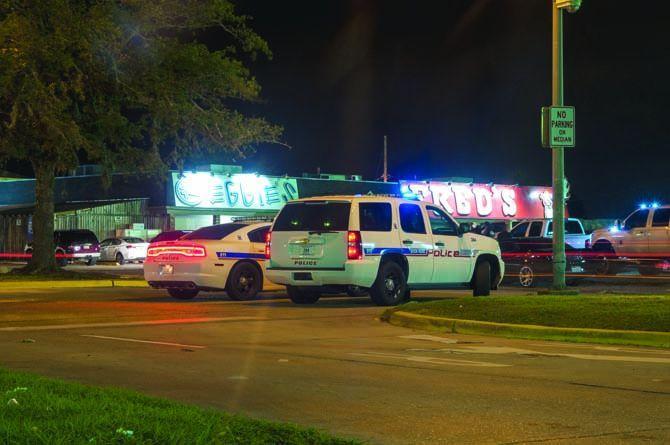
<point x="483" y="201"/>
<point x="244" y="191"/>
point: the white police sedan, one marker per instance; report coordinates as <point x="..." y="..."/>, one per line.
<point x="224" y="257"/>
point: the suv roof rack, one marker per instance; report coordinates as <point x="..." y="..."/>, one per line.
<point x="252" y="219"/>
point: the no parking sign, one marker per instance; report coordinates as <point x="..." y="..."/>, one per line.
<point x="558" y="127"/>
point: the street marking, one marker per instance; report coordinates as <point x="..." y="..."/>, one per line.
<point x="499" y="350"/>
<point x="431" y="360"/>
<point x="238" y="377"/>
<point x="607" y="348"/>
<point x="135" y="340"/>
<point x="450" y="341"/>
<point x="14" y="300"/>
<point x="130" y="323"/>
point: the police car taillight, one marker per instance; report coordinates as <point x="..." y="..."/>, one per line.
<point x="268" y="239"/>
<point x="189" y="250"/>
<point x="354" y="245"/>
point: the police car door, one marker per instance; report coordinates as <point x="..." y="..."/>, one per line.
<point x="448" y="265"/>
<point x="416" y="243"/>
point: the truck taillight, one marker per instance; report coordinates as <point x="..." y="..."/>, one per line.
<point x="354" y="245"/>
<point x="268" y="240"/>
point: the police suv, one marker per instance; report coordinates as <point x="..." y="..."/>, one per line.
<point x="222" y="257"/>
<point x="382" y="245"/>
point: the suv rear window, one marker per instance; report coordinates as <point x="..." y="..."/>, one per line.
<point x="313" y="216"/>
<point x="375" y="216"/>
<point x="218" y="231"/>
<point x="76" y="237"/>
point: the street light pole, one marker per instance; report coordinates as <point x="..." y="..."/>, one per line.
<point x="557" y="154"/>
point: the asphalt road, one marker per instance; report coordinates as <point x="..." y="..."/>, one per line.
<point x="336" y="367"/>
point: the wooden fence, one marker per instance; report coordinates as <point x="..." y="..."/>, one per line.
<point x="102" y="220"/>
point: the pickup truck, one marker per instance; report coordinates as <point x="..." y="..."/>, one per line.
<point x="643" y="239"/>
<point x="542" y="228"/>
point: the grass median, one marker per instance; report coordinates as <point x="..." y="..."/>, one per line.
<point x="605" y="318"/>
<point x="37" y="410"/>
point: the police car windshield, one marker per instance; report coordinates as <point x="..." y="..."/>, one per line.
<point x="218" y="231"/>
<point x="313" y="216"/>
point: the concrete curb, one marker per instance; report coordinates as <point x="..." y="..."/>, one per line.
<point x="454" y="325"/>
<point x="62" y="284"/>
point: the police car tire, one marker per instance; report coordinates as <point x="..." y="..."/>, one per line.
<point x="380" y="294"/>
<point x="301" y="296"/>
<point x="482" y="280"/>
<point x="250" y="271"/>
<point x="182" y="294"/>
<point x="120" y="260"/>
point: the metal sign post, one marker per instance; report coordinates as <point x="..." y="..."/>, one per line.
<point x="558" y="165"/>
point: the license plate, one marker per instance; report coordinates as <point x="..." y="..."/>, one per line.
<point x="166" y="269"/>
<point x="577" y="269"/>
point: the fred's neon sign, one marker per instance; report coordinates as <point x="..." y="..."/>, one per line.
<point x="483" y="201"/>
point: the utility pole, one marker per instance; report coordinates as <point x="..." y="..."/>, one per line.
<point x="385" y="175"/>
<point x="557" y="152"/>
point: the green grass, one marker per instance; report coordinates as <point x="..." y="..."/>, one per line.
<point x="54" y="412"/>
<point x="62" y="275"/>
<point x="597" y="311"/>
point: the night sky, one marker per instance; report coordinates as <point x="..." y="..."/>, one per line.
<point x="457" y="86"/>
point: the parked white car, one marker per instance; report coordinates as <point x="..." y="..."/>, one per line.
<point x="123" y="250"/>
<point x="643" y="238"/>
<point x="224" y="257"/>
<point x="383" y="245"/>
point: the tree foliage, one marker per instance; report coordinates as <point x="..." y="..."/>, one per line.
<point x="124" y="83"/>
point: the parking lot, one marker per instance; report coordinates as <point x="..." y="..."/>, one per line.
<point x="335" y="366"/>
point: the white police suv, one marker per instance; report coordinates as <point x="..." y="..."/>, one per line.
<point x="226" y="257"/>
<point x="384" y="245"/>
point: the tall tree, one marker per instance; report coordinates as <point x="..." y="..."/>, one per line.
<point x="124" y="83"/>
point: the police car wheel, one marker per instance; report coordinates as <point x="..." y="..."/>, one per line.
<point x="120" y="260"/>
<point x="302" y="296"/>
<point x="244" y="282"/>
<point x="390" y="287"/>
<point x="183" y="294"/>
<point x="482" y="280"/>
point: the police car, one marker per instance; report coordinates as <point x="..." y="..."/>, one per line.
<point x="221" y="257"/>
<point x="384" y="245"/>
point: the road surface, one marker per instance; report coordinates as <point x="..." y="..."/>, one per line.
<point x="336" y="367"/>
